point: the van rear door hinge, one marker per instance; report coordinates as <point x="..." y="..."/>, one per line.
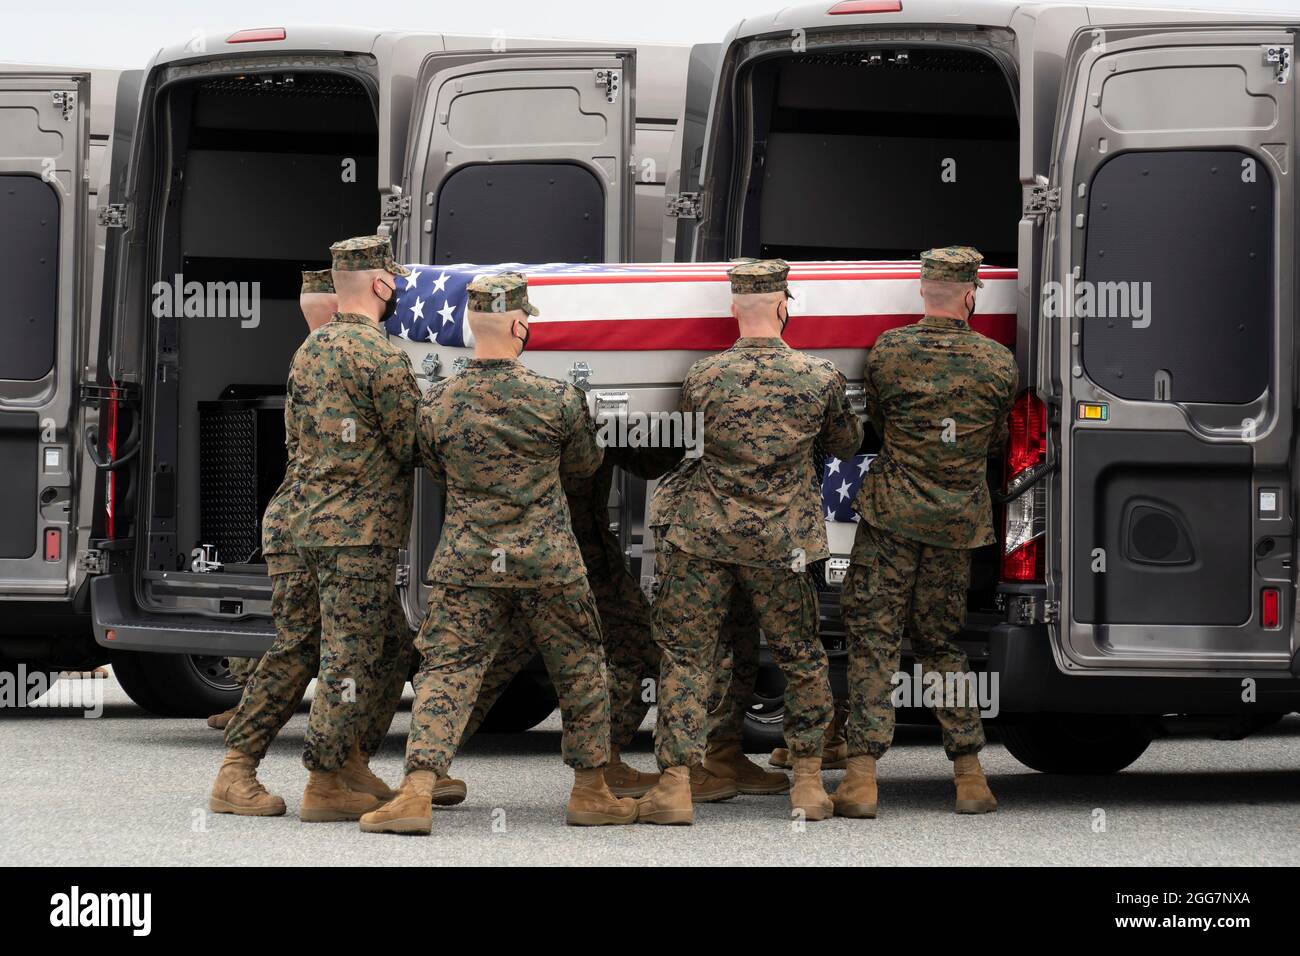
<point x="684" y="206"/>
<point x="403" y="575"/>
<point x="610" y="80"/>
<point x="395" y="207"/>
<point x="1280" y="57"/>
<point x="65" y="100"/>
<point x="1040" y="199"/>
<point x="92" y="561"/>
<point x="1051" y="612"/>
<point x="113" y="215"/>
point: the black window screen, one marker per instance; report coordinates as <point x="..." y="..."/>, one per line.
<point x="29" y="276"/>
<point x="520" y="212"/>
<point x="1198" y="226"/>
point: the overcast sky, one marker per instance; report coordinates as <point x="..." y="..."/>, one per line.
<point x="126" y="33"/>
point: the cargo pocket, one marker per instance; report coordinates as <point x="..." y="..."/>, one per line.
<point x="367" y="564"/>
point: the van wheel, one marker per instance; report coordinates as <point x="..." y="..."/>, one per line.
<point x="1075" y="743"/>
<point x="177" y="685"/>
<point x="765" y="716"/>
<point x="525" y="703"/>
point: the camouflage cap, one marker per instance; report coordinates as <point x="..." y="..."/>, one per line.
<point x="318" y="281"/>
<point x="365" y="252"/>
<point x="503" y="292"/>
<point x="952" y="264"/>
<point x="753" y="276"/>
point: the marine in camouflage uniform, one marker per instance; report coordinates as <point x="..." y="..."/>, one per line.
<point x="350" y="417"/>
<point x="749" y="519"/>
<point x="501" y="439"/>
<point x="280" y="678"/>
<point x="938" y="394"/>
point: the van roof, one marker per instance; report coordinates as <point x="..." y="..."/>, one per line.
<point x="976" y="12"/>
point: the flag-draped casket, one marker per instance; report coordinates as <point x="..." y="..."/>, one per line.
<point x="631" y="331"/>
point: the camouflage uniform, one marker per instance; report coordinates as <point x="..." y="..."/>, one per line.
<point x="281" y="677"/>
<point x="749" y="519"/>
<point x="501" y="438"/>
<point x="938" y="394"/>
<point x="350" y="416"/>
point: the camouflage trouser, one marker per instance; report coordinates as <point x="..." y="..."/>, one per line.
<point x="694" y="597"/>
<point x="460" y="637"/>
<point x="284" y="671"/>
<point x="241" y="668"/>
<point x="631" y="657"/>
<point x="896" y="582"/>
<point x="735" y="666"/>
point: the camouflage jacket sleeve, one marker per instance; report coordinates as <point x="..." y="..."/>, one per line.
<point x="396" y="398"/>
<point x="841" y="434"/>
<point x="871" y="395"/>
<point x="581" y="454"/>
<point x="425" y="430"/>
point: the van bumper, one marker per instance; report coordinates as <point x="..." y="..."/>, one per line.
<point x="1030" y="682"/>
<point x="120" y="624"/>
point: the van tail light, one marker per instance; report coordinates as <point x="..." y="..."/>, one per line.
<point x="866" y="6"/>
<point x="1270" y="609"/>
<point x="258" y="35"/>
<point x="1026" y="516"/>
<point x="110" y="478"/>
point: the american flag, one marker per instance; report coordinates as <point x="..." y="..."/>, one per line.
<point x="840" y="483"/>
<point x="686" y="305"/>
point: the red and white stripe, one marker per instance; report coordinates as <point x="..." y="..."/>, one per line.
<point x="687" y="305"/>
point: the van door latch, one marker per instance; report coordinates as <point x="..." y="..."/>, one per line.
<point x="684" y="206"/>
<point x="610" y="80"/>
<point x="112" y="216"/>
<point x="1280" y="58"/>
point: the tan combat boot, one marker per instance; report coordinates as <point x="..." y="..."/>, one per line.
<point x="856" y="794"/>
<point x="973" y="793"/>
<point x="448" y="791"/>
<point x="327" y="799"/>
<point x="625" y="781"/>
<point x="669" y="803"/>
<point x="358" y="776"/>
<point x="219" y="721"/>
<point x="411" y="811"/>
<point x="706" y="788"/>
<point x="237" y="789"/>
<point x="730" y="763"/>
<point x="592" y="805"/>
<point x="835" y="747"/>
<point x="808" y="794"/>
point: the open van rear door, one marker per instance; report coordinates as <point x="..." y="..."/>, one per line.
<point x="519" y="156"/>
<point x="44" y="136"/>
<point x="682" y="206"/>
<point x="1170" y="311"/>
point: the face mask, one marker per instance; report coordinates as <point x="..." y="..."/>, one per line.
<point x="971" y="313"/>
<point x="785" y="320"/>
<point x="523" y="343"/>
<point x="390" y="304"/>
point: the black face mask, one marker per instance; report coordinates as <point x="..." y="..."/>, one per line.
<point x="785" y="321"/>
<point x="971" y="314"/>
<point x="523" y="343"/>
<point x="390" y="306"/>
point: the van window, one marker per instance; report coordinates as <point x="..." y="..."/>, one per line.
<point x="1190" y="232"/>
<point x="29" y="275"/>
<point x="520" y="212"/>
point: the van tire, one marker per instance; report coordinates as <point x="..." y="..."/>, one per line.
<point x="525" y="703"/>
<point x="176" y="685"/>
<point x="1075" y="743"/>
